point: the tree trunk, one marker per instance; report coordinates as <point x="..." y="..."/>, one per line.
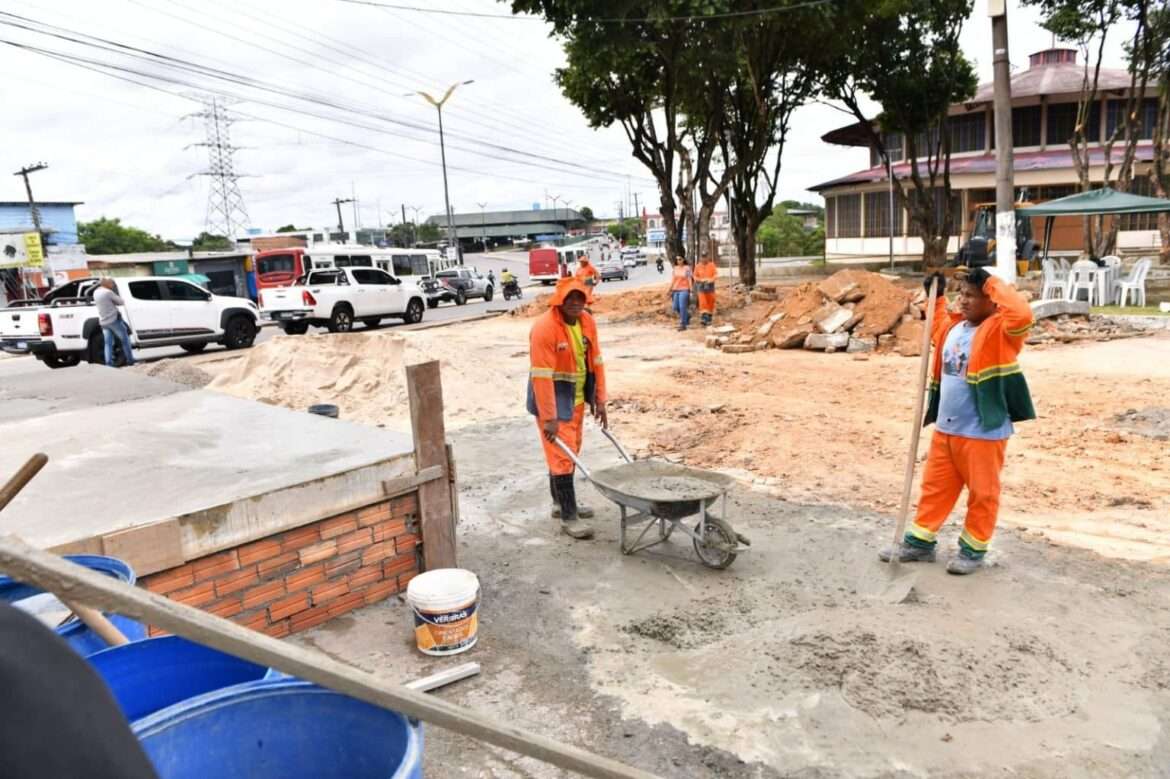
<point x="745" y="249"/>
<point x="704" y="230"/>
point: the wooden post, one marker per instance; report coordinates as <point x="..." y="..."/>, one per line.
<point x="437" y="520"/>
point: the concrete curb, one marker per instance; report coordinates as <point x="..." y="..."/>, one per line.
<point x="1043" y="309"/>
<point x="448" y="322"/>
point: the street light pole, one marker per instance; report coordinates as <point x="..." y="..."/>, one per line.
<point x="341" y="222"/>
<point x="482" y="226"/>
<point x="452" y="235"/>
<point x="554" y="199"/>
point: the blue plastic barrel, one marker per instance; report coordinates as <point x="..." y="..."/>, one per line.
<point x="83" y="640"/>
<point x="280" y="729"/>
<point x="149" y="675"/>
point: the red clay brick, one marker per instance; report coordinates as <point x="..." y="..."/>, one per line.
<point x="199" y="595"/>
<point x="258" y="550"/>
<point x="358" y="539"/>
<point x="329" y="591"/>
<point x="278" y="629"/>
<point x="347" y="603"/>
<point x="384" y="531"/>
<point x="215" y="565"/>
<point x="372" y="514"/>
<point x="311" y="618"/>
<point x="338" y="526"/>
<point x="318" y="552"/>
<point x="406" y="543"/>
<point x="300" y="538"/>
<point x="399" y="565"/>
<point x="406" y="504"/>
<point x="381" y="590"/>
<point x="278" y="610"/>
<point x="263" y="594"/>
<point x="234" y="582"/>
<point x="367" y="574"/>
<point x="279" y="565"/>
<point x="343" y="565"/>
<point x="405" y="578"/>
<point x="256" y="621"/>
<point x="226" y="608"/>
<point x="170" y="580"/>
<point x="375" y="552"/>
<point x="305" y="578"/>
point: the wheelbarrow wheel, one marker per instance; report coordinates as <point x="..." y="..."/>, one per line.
<point x="720" y="539"/>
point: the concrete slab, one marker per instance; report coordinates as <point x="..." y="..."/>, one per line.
<point x="1043" y="309"/>
<point x="225" y="470"/>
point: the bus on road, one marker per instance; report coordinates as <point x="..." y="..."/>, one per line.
<point x="282" y="267"/>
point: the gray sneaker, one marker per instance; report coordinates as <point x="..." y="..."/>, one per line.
<point x="578" y="530"/>
<point x="961" y="565"/>
<point x="908" y="553"/>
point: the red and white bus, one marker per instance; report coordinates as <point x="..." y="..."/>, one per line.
<point x="282" y="267"/>
<point x="546" y="264"/>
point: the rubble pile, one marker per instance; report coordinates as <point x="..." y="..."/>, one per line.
<point x="851" y="311"/>
<point x="1067" y="328"/>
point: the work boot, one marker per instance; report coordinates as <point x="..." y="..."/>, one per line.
<point x="908" y="553"/>
<point x="583" y="511"/>
<point x="961" y="564"/>
<point x="567" y="496"/>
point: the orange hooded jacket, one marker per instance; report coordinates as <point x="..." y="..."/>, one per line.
<point x="552" y="378"/>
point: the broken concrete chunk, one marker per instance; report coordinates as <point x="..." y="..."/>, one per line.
<point x="853" y="296"/>
<point x="818" y="342"/>
<point x="885" y="341"/>
<point x="853" y="322"/>
<point x="765" y="328"/>
<point x="908" y="338"/>
<point x="836" y="288"/>
<point x="723" y="329"/>
<point x="1043" y="309"/>
<point x="791" y="337"/>
<point x="738" y="348"/>
<point x="760" y="294"/>
<point x="831" y="317"/>
<point x="712" y="342"/>
<point x="856" y="345"/>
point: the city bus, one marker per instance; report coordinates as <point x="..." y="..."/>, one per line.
<point x="281" y="267"/>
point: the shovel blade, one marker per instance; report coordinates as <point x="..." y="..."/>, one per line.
<point x="893" y="584"/>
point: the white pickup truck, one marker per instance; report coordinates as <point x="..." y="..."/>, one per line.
<point x="161" y="311"/>
<point x="337" y="297"/>
<point x="19" y="322"/>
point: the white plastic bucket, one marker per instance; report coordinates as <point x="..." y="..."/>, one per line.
<point x="446" y="610"/>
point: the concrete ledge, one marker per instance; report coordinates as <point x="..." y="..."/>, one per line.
<point x="1044" y="309"/>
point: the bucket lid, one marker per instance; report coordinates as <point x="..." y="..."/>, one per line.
<point x="442" y="586"/>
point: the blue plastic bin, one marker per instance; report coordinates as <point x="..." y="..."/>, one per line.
<point x="280" y="729"/>
<point x="83" y="640"/>
<point x="149" y="675"/>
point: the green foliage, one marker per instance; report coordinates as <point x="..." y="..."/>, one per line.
<point x="206" y="242"/>
<point x="782" y="235"/>
<point x="290" y="228"/>
<point x="110" y="236"/>
<point x="627" y="230"/>
<point x="429" y="232"/>
<point x="586" y="213"/>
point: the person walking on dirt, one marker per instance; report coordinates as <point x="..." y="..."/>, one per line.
<point x="976" y="392"/>
<point x="680" y="292"/>
<point x="587" y="274"/>
<point x="705" y="275"/>
<point x="566" y="374"/>
<point x="110" y="320"/>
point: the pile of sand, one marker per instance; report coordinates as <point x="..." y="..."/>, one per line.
<point x="178" y="370"/>
<point x="647" y="303"/>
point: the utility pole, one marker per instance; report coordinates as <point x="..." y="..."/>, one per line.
<point x="452" y="236"/>
<point x="226" y="213"/>
<point x="482" y="227"/>
<point x="1005" y="216"/>
<point x="33" y="211"/>
<point x="338" y="202"/>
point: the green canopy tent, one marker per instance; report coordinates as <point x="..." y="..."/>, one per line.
<point x="1097" y="202"/>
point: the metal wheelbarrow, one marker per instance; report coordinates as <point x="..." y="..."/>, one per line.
<point x="656" y="494"/>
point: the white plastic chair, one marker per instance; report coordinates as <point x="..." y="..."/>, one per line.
<point x="1083" y="276"/>
<point x="1136" y="283"/>
<point x="1053" y="282"/>
<point x="1112" y="264"/>
<point x="1062" y="268"/>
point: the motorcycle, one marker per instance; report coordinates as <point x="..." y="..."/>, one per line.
<point x="659" y="265"/>
<point x="512" y="289"/>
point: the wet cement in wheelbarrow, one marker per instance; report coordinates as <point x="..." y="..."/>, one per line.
<point x="661" y="482"/>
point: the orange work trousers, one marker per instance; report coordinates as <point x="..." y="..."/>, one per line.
<point x="955" y="462"/>
<point x="569" y="431"/>
<point x="707" y="302"/>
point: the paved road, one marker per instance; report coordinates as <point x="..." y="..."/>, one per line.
<point x="517" y="262"/>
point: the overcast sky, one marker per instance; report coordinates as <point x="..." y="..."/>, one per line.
<point x="122" y="148"/>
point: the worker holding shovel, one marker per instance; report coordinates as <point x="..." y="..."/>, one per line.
<point x="705" y="275"/>
<point x="977" y="391"/>
<point x="567" y="374"/>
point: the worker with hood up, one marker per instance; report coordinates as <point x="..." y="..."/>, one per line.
<point x="567" y="374"/>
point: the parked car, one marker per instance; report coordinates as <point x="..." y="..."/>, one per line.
<point x="465" y="283"/>
<point x="18" y="322"/>
<point x="614" y="270"/>
<point x="629" y="261"/>
<point x="338" y="297"/>
<point x="634" y="253"/>
<point x="160" y="311"/>
<point x="434" y="291"/>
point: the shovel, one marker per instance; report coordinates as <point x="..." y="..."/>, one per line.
<point x="895" y="584"/>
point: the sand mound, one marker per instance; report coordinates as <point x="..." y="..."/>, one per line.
<point x="179" y="371"/>
<point x="646" y="303"/>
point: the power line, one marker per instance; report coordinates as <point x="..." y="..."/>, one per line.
<point x="226" y="214"/>
<point x="615" y="20"/>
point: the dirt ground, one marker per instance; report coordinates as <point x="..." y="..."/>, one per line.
<point x="780" y="666"/>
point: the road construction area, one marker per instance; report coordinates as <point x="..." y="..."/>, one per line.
<point x="1051" y="662"/>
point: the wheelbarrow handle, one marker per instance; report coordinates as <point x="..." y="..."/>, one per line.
<point x="621" y="449"/>
<point x="574" y="458"/>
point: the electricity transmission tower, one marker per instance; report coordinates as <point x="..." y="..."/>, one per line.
<point x="226" y="213"/>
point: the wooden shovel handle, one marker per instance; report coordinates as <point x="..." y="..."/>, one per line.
<point x="22" y="477"/>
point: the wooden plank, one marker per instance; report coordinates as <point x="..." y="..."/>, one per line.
<point x="153" y="547"/>
<point x="443" y="678"/>
<point x="53" y="574"/>
<point x="430" y="448"/>
<point x="453" y="480"/>
<point x="392" y="488"/>
<point x="91" y="545"/>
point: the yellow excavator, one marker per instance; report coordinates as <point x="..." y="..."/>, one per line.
<point x="980" y="247"/>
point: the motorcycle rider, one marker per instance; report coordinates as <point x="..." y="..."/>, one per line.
<point x="506" y="276"/>
<point x="658" y="263"/>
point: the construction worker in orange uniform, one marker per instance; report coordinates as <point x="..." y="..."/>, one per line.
<point x="587" y="274"/>
<point x="705" y="275"/>
<point x="976" y="392"/>
<point x="567" y="374"/>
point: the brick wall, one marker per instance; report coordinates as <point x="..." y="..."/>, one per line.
<point x="297" y="579"/>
